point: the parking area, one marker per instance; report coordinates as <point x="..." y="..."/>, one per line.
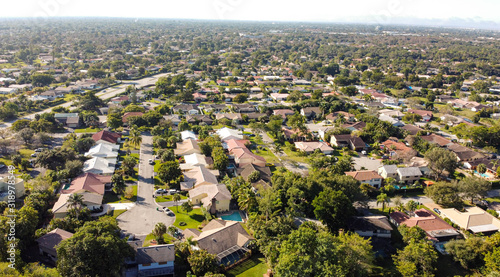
<point x="367" y="163"/>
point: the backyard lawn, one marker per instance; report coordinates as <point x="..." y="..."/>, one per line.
<point x="168" y="198"/>
<point x="111" y="197"/>
<point x="255" y="266"/>
<point x="193" y="219"/>
<point x="88" y="130"/>
<point x="267" y="154"/>
<point x="149" y="238"/>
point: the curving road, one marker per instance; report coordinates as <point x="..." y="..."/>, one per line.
<point x="141" y="219"/>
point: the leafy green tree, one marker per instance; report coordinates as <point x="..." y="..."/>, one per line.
<point x="41" y="80"/>
<point x="416" y="259"/>
<point x="74" y="168"/>
<point x="440" y="160"/>
<point x="55" y="158"/>
<point x="128" y="165"/>
<point x="114" y="120"/>
<point x="220" y="158"/>
<point x="94" y="250"/>
<point x="20" y="124"/>
<point x="119" y="185"/>
<point x="444" y="193"/>
<point x="169" y="171"/>
<point x="333" y="208"/>
<point x="349" y="91"/>
<point x="26" y="135"/>
<point x="469" y="253"/>
<point x="240" y="98"/>
<point x="474" y="187"/>
<point x="481" y="168"/>
<point x="202" y="262"/>
<point x="410" y="234"/>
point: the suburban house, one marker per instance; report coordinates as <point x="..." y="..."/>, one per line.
<point x="195" y="159"/>
<point x="244" y="156"/>
<point x="283" y="113"/>
<point x="311" y="112"/>
<point x="157" y="260"/>
<point x="436" y="228"/>
<point x="412" y="129"/>
<point x="51" y="95"/>
<point x="47" y="243"/>
<point x="436" y="139"/>
<point x="354" y="126"/>
<point x="388" y="171"/>
<point x="119" y="99"/>
<point x="106" y="137"/>
<point x="100" y="166"/>
<point x="199" y="118"/>
<point x="463" y="153"/>
<point x="174" y="118"/>
<point x="105" y="151"/>
<point x="215" y="198"/>
<point x="353" y="142"/>
<point x="4" y="188"/>
<point x="188" y="135"/>
<point x="366" y="176"/>
<point x="335" y="115"/>
<point x="199" y="176"/>
<point x="370" y="226"/>
<point x="244" y="108"/>
<point x="127" y="115"/>
<point x="247" y="169"/>
<point x="227" y="134"/>
<point x="395" y="148"/>
<point x="226" y="239"/>
<point x="426" y="115"/>
<point x="278" y="97"/>
<point x="408" y="175"/>
<point x="88" y="182"/>
<point x="187" y="147"/>
<point x="391" y="113"/>
<point x="91" y="200"/>
<point x="71" y="120"/>
<point x="229" y="116"/>
<point x="311" y="146"/>
<point x="473" y="219"/>
<point x="394" y="121"/>
<point x="186" y="109"/>
<point x="491" y="164"/>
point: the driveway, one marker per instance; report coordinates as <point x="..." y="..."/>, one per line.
<point x="421" y="199"/>
<point x="141" y="219"/>
<point x="369" y="164"/>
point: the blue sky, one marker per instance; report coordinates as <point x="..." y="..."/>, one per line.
<point x="365" y="11"/>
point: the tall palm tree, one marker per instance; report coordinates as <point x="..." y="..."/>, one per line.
<point x="383" y="199"/>
<point x="75" y="201"/>
<point x="135" y="137"/>
<point x="176" y="198"/>
<point x="411" y="206"/>
<point x="247" y="200"/>
<point x="159" y="230"/>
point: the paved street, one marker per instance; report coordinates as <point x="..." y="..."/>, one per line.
<point x="141" y="219"/>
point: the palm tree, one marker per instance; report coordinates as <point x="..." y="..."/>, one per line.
<point x="247" y="200"/>
<point x="383" y="199"/>
<point x="411" y="206"/>
<point x="135" y="137"/>
<point x="172" y="140"/>
<point x="75" y="201"/>
<point x="159" y="230"/>
<point x="176" y="198"/>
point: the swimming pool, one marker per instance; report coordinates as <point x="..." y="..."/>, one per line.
<point x="481" y="174"/>
<point x="235" y="216"/>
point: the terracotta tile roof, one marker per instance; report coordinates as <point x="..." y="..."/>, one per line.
<point x="106" y="136"/>
<point x="364" y="175"/>
<point x="89" y="182"/>
<point x="433" y="138"/>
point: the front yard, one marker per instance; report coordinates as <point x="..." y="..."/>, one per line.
<point x="192" y="219"/>
<point x="88" y="130"/>
<point x="111" y="197"/>
<point x="168" y="198"/>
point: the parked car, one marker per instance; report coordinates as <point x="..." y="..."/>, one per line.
<point x="151" y="162"/>
<point x="172" y="191"/>
<point x="33" y="155"/>
<point x="437" y="211"/>
<point x="363" y="152"/>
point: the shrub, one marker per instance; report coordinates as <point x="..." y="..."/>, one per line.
<point x="182" y="223"/>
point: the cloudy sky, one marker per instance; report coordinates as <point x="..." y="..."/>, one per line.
<point x="364" y="11"/>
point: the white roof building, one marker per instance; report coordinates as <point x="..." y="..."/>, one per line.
<point x="99" y="166"/>
<point x="188" y="135"/>
<point x="227" y="134"/>
<point x="105" y="151"/>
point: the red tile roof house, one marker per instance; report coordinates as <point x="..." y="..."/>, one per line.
<point x="426" y="115"/>
<point x="129" y="114"/>
<point x="106" y="137"/>
<point x="283" y="112"/>
<point x="370" y="177"/>
<point x="436" y="228"/>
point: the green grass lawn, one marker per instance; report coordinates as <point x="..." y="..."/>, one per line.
<point x="255" y="266"/>
<point x="193" y="219"/>
<point x="168" y="198"/>
<point x="87" y="130"/>
<point x="295" y="156"/>
<point x="68" y="97"/>
<point x="149" y="238"/>
<point x="132" y="178"/>
<point x="266" y="154"/>
<point x="493" y="199"/>
<point x="26" y="153"/>
<point x="110" y="197"/>
<point x="116" y="213"/>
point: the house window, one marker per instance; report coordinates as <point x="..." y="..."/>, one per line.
<point x="146" y="264"/>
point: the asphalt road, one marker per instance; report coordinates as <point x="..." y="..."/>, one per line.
<point x="141" y="219"/>
<point x="110" y="92"/>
